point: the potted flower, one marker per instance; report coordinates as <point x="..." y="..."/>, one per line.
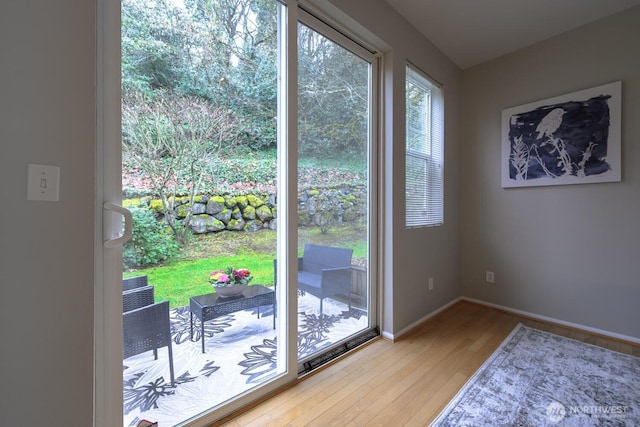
<point x="230" y="282"/>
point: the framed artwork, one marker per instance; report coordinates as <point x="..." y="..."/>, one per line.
<point x="569" y="139"/>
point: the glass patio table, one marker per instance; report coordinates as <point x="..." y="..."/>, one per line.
<point x="209" y="306"/>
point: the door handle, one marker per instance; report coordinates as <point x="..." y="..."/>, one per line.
<point x="128" y="224"/>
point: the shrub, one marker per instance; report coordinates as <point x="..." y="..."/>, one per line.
<point x="150" y="243"/>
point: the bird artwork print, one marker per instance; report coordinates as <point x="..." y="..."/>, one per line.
<point x="561" y="140"/>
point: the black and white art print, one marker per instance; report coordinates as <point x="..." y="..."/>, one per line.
<point x="569" y="139"/>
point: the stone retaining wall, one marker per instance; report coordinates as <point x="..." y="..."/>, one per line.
<point x="251" y="212"/>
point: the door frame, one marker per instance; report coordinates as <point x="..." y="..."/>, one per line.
<point x="108" y="390"/>
<point x="317" y="21"/>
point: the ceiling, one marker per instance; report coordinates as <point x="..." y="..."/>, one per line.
<point x="470" y="32"/>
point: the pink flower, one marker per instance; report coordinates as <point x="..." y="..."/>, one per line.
<point x="230" y="276"/>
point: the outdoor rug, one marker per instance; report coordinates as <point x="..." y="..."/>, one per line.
<point x="537" y="378"/>
<point x="240" y="354"/>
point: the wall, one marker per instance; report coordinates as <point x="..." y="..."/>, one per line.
<point x="412" y="255"/>
<point x="47" y="116"/>
<point x="566" y="252"/>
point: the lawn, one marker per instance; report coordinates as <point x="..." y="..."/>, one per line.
<point x="179" y="279"/>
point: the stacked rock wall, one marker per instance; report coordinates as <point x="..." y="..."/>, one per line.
<point x="251" y="212"/>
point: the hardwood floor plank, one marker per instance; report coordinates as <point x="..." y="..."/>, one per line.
<point x="406" y="383"/>
<point x="429" y="411"/>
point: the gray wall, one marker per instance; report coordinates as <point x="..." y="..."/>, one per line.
<point x="568" y="252"/>
<point x="47" y="116"/>
<point x="413" y="255"/>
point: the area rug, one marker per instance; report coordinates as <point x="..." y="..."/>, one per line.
<point x="240" y="353"/>
<point x="537" y="378"/>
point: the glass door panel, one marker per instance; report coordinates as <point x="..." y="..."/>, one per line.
<point x="199" y="152"/>
<point x="207" y="116"/>
<point x="334" y="143"/>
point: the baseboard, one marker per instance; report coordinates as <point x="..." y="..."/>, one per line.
<point x="572" y="325"/>
<point x="392" y="337"/>
<point x="403" y="331"/>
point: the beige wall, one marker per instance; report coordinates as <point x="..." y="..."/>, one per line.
<point x="567" y="252"/>
<point x="414" y="255"/>
<point x="47" y="116"/>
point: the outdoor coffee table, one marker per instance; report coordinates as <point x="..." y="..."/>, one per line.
<point x="209" y="306"/>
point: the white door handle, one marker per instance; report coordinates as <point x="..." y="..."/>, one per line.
<point x="128" y="224"/>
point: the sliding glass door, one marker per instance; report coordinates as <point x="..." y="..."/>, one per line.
<point x="335" y="141"/>
<point x="240" y="137"/>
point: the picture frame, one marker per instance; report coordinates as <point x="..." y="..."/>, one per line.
<point x="569" y="139"/>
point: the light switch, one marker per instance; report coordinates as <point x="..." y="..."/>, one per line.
<point x="43" y="183"/>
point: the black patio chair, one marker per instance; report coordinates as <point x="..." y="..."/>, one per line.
<point x="148" y="328"/>
<point x="134" y="282"/>
<point x="323" y="271"/>
<point x="136" y="298"/>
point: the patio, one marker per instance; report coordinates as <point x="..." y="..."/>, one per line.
<point x="239" y="354"/>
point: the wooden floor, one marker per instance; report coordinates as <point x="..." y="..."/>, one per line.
<point x="406" y="383"/>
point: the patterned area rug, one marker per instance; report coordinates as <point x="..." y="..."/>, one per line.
<point x="540" y="379"/>
<point x="240" y="353"/>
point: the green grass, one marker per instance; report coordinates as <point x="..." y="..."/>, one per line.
<point x="177" y="281"/>
<point x="188" y="275"/>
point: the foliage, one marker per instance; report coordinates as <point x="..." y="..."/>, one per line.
<point x="173" y="140"/>
<point x="200" y="110"/>
<point x="333" y="98"/>
<point x="153" y="35"/>
<point x="326" y="210"/>
<point x="150" y="244"/>
<point x="241" y="171"/>
<point x="225" y="52"/>
<point x="247" y="169"/>
<point x="221" y="51"/>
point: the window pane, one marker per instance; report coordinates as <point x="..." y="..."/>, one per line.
<point x="200" y="95"/>
<point x="333" y="178"/>
<point x="424" y="178"/>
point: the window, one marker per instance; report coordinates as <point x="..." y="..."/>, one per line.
<point x="424" y="160"/>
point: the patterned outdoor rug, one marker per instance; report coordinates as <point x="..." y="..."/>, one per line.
<point x="540" y="379"/>
<point x="240" y="354"/>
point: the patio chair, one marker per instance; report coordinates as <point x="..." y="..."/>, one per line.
<point x="324" y="271"/>
<point x="148" y="328"/>
<point x="134" y="282"/>
<point x="136" y="298"/>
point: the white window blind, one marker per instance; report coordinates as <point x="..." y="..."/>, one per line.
<point x="424" y="151"/>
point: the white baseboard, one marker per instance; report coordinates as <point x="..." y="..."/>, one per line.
<point x="393" y="337"/>
<point x="608" y="334"/>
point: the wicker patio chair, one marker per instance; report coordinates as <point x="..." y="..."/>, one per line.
<point x="134" y="282"/>
<point x="324" y="271"/>
<point x="148" y="328"/>
<point x="136" y="298"/>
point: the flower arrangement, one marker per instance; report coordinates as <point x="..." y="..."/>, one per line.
<point x="230" y="277"/>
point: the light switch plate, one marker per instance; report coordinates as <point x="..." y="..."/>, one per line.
<point x="43" y="183"/>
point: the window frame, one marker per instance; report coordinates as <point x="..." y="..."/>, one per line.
<point x="424" y="185"/>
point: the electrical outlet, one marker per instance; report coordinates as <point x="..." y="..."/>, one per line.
<point x="430" y="283"/>
<point x="490" y="277"/>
